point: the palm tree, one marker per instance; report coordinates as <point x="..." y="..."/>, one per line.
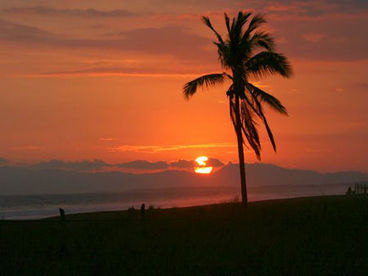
<point x="246" y="52"/>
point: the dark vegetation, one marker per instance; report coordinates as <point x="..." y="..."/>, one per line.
<point x="320" y="235"/>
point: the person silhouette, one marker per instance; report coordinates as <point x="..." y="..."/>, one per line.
<point x="62" y="214"/>
<point x="143" y="209"/>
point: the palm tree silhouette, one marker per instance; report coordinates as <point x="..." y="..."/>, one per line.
<point x="245" y="52"/>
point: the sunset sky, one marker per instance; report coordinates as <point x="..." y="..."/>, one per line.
<point x="81" y="80"/>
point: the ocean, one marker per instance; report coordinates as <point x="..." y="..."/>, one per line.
<point x="15" y="207"/>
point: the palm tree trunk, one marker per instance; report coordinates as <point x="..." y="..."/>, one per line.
<point x="238" y="129"/>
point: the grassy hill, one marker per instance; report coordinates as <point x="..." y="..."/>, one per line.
<point x="320" y="235"/>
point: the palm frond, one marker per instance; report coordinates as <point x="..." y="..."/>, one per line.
<point x="262" y="96"/>
<point x="266" y="62"/>
<point x="191" y="87"/>
<point x="249" y="126"/>
<point x="208" y="23"/>
<point x="235" y="35"/>
<point x="263" y="40"/>
<point x="265" y="122"/>
<point x="255" y="22"/>
<point x="232" y="111"/>
<point x="249" y="122"/>
<point x="241" y="20"/>
<point x="222" y="52"/>
<point x="246" y="44"/>
<point x="227" y="22"/>
<point x="232" y="106"/>
<point x="269" y="132"/>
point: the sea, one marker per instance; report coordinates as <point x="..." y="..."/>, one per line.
<point x="20" y="207"/>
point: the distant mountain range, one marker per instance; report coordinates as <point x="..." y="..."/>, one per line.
<point x="25" y="180"/>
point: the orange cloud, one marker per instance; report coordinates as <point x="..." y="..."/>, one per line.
<point x="154" y="149"/>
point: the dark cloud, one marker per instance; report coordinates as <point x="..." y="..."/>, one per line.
<point x="213" y="162"/>
<point x="136" y="165"/>
<point x="3" y="161"/>
<point x="362" y="85"/>
<point x="172" y="40"/>
<point x="312" y="8"/>
<point x="23" y="34"/>
<point x="328" y="39"/>
<point x="144" y="165"/>
<point x="320" y="39"/>
<point x="186" y="164"/>
<point x="345" y="6"/>
<point x="121" y="70"/>
<point x="89" y="165"/>
<point x="168" y="40"/>
<point x="182" y="164"/>
<point x="65" y="165"/>
<point x="43" y="10"/>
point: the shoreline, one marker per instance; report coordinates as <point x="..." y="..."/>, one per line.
<point x="210" y="205"/>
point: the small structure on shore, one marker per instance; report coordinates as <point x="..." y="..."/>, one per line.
<point x="359" y="189"/>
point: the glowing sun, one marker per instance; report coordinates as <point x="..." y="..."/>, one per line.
<point x="202" y="165"/>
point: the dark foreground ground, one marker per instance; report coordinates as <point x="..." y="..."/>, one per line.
<point x="321" y="235"/>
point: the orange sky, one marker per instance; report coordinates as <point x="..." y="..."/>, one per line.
<point x="104" y="80"/>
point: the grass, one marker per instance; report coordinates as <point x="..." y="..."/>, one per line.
<point x="305" y="236"/>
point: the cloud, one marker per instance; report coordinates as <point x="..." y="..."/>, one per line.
<point x="313" y="37"/>
<point x="157" y="148"/>
<point x="48" y="11"/>
<point x="87" y="165"/>
<point x="313" y="8"/>
<point x="339" y="90"/>
<point x="65" y="165"/>
<point x="362" y="85"/>
<point x="183" y="164"/>
<point x="107" y="139"/>
<point x="326" y="39"/>
<point x="23" y="34"/>
<point x="298" y="8"/>
<point x="167" y="40"/>
<point x="213" y="162"/>
<point x="186" y="164"/>
<point x="317" y="150"/>
<point x="358" y="124"/>
<point x="96" y="164"/>
<point x="337" y="39"/>
<point x="27" y="148"/>
<point x="174" y="40"/>
<point x="3" y="161"/>
<point x="117" y="71"/>
<point x="310" y="8"/>
<point x="144" y="165"/>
